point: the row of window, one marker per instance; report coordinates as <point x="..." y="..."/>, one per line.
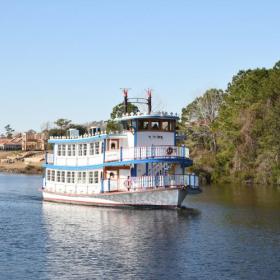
<point x="80" y="149"/>
<point x="73" y="177"/>
<point x="163" y="125"/>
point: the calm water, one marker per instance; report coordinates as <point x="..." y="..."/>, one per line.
<point x="230" y="233"/>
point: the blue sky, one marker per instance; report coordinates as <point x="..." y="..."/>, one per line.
<point x="70" y="58"/>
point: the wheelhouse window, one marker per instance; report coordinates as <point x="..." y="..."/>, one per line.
<point x="155" y="125"/>
<point x="165" y="125"/>
<point x="143" y="125"/>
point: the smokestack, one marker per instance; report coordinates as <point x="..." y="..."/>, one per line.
<point x="149" y="92"/>
<point x="125" y="101"/>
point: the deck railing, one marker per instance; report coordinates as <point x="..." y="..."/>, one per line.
<point x="136" y="153"/>
<point x="151" y="182"/>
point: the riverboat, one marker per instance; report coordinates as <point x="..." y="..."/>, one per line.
<point x="140" y="166"/>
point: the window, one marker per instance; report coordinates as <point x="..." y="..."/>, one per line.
<point x="73" y="150"/>
<point x="142" y="125"/>
<point x="113" y="146"/>
<point x="90" y="177"/>
<point x="84" y="177"/>
<point x="73" y="177"/>
<point x="63" y="150"/>
<point x="68" y="177"/>
<point x="58" y="178"/>
<point x="165" y="125"/>
<point x="59" y="150"/>
<point x="97" y="146"/>
<point x="91" y="149"/>
<point x="111" y="175"/>
<point x="80" y="149"/>
<point x="79" y="177"/>
<point x="85" y="149"/>
<point x="155" y="125"/>
<point x="69" y="150"/>
<point x="172" y="125"/>
<point x="63" y="176"/>
<point x="48" y="175"/>
<point x="95" y="177"/>
<point x="53" y="175"/>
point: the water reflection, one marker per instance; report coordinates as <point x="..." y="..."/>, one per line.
<point x="109" y="242"/>
<point x="231" y="232"/>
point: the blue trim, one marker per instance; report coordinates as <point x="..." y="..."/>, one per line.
<point x="186" y="162"/>
<point x="104" y="150"/>
<point x="83" y="140"/>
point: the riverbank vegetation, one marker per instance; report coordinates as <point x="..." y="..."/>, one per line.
<point x="234" y="135"/>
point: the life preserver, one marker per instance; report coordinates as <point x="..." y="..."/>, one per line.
<point x="169" y="150"/>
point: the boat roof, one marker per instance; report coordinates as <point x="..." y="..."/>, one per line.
<point x="84" y="138"/>
<point x="153" y="115"/>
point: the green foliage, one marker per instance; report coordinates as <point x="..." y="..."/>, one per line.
<point x="245" y="129"/>
<point x="9" y="131"/>
<point x="118" y="111"/>
<point x="63" y="124"/>
<point x="249" y="128"/>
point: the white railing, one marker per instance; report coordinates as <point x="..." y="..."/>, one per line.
<point x="147" y="153"/>
<point x="151" y="182"/>
<point x="134" y="153"/>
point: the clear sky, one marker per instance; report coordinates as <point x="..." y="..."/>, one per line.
<point x="70" y="58"/>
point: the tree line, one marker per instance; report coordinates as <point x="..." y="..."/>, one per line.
<point x="234" y="135"/>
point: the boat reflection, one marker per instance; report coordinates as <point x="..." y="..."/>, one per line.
<point x="105" y="241"/>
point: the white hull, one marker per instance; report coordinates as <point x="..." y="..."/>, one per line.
<point x="172" y="197"/>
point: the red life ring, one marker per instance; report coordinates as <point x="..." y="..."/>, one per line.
<point x="169" y="151"/>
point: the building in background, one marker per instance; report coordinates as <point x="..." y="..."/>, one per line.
<point x="33" y="141"/>
<point x="12" y="144"/>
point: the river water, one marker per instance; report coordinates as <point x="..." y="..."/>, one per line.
<point x="230" y="232"/>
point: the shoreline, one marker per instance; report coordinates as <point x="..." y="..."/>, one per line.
<point x="28" y="170"/>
